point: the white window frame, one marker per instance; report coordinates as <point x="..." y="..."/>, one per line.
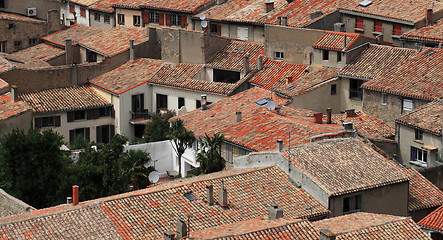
<point x="279" y="55"/>
<point x="136" y="20"/>
<point x="175" y="20"/>
<point x="106" y="18"/>
<point x="383" y="99"/>
<point x="243" y="33"/>
<point x="420" y="155"/>
<point x="97" y="17"/>
<point x="408" y="104"/>
<point x="121" y="19"/>
<point x="154" y="17"/>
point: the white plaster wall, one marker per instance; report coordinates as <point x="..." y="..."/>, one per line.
<point x="64" y="9"/>
<point x="129" y="17"/>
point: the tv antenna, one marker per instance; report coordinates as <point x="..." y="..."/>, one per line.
<point x="154" y="177"/>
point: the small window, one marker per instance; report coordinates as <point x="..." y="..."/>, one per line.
<point x="419" y="155"/>
<point x="359" y="23"/>
<point x="228" y="153"/>
<point x="17" y="44"/>
<point x="242" y="33"/>
<point x="181" y="102"/>
<point x="84" y="132"/>
<point x="325" y="55"/>
<point x="72" y="9"/>
<point x="162" y="102"/>
<point x="32" y="41"/>
<point x="175" y="20"/>
<point x="190" y="196"/>
<point x="351" y="204"/>
<point x="82" y="12"/>
<point x="11" y="25"/>
<point x="79" y="115"/>
<point x="383" y="99"/>
<point x="121" y="19"/>
<point x="91" y="56"/>
<point x="334" y="89"/>
<point x="198" y="104"/>
<point x="138" y="103"/>
<point x="105" y="112"/>
<point x="338" y="57"/>
<point x="378" y="26"/>
<point x="136" y="20"/>
<point x="215" y="29"/>
<point x="355" y="90"/>
<point x="97" y="17"/>
<point x="241" y="152"/>
<point x="397" y="29"/>
<point x="107" y="19"/>
<point x="3" y="46"/>
<point x="279" y="56"/>
<point x="418" y="134"/>
<point x="408" y="104"/>
<point x="2" y="3"/>
<point x="153" y="17"/>
<point x="104" y="133"/>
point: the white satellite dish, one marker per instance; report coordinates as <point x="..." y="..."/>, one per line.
<point x="202" y="16"/>
<point x="204" y="24"/>
<point x="270" y="105"/>
<point x="153" y="177"/>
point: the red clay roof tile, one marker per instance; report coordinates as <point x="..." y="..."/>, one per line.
<point x="189" y="6"/>
<point x="41" y="51"/>
<point x="434" y="220"/>
<point x="422" y="193"/>
<point x="76" y="33"/>
<point x="9" y="109"/>
<point x="427" y="117"/>
<point x="274" y="74"/>
<point x="431" y="33"/>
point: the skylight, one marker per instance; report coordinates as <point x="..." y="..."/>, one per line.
<point x="13" y="60"/>
<point x="429" y="53"/>
<point x="190" y="196"/>
<point x="290" y="88"/>
<point x="262" y="102"/>
<point x="365" y="3"/>
<point x="235" y="50"/>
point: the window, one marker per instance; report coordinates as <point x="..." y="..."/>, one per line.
<point x="383" y="99"/>
<point x="121" y="19"/>
<point x="334" y="89"/>
<point x="215" y="29"/>
<point x="105" y="112"/>
<point x="181" y="102"/>
<point x="397" y="29"/>
<point x="138" y="103"/>
<point x="228" y="154"/>
<point x="338" y="56"/>
<point x="195" y="145"/>
<point x="241" y="152"/>
<point x="418" y="134"/>
<point x="162" y="101"/>
<point x="325" y="55"/>
<point x="351" y="204"/>
<point x="17" y="44"/>
<point x="11" y="25"/>
<point x="2" y="3"/>
<point x="359" y="23"/>
<point x="104" y="133"/>
<point x="355" y="90"/>
<point x="136" y="20"/>
<point x="73" y="134"/>
<point x="41" y="122"/>
<point x="91" y="56"/>
<point x="153" y="17"/>
<point x="32" y="41"/>
<point x="419" y="155"/>
<point x="72" y="9"/>
<point x="79" y="115"/>
<point x="3" y="46"/>
<point x="408" y="105"/>
<point x="198" y="104"/>
<point x="83" y="12"/>
<point x="279" y="55"/>
<point x="107" y="19"/>
<point x="378" y="26"/>
<point x="175" y="20"/>
<point x="97" y="17"/>
<point x="242" y="33"/>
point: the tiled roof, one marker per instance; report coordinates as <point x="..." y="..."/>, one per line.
<point x="231" y="56"/>
<point x="19" y="18"/>
<point x="128" y="75"/>
<point x="363" y="225"/>
<point x="427" y="117"/>
<point x="76" y="33"/>
<point x="338" y="41"/>
<point x="308" y="82"/>
<point x="105" y="5"/>
<point x="376" y="60"/>
<point x="5" y="65"/>
<point x="434" y="220"/>
<point x="63" y="99"/>
<point x="10" y="205"/>
<point x="418" y="77"/>
<point x="3" y="85"/>
<point x="274" y="74"/>
<point x="354" y="165"/>
<point x="422" y="193"/>
<point x="366" y="125"/>
<point x="261" y="228"/>
<point x="114" y="41"/>
<point x="84" y="2"/>
<point x="10" y="61"/>
<point x="221" y="114"/>
<point x="41" y="51"/>
<point x="188" y="6"/>
<point x="10" y="109"/>
<point x="431" y="33"/>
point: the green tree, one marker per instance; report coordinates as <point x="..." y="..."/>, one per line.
<point x="181" y="139"/>
<point x="158" y="128"/>
<point x="209" y="156"/>
<point x="137" y="174"/>
<point x="32" y="166"/>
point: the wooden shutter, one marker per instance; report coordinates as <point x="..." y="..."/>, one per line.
<point x="87" y="134"/>
<point x="38" y="122"/>
<point x="183" y="21"/>
<point x="96" y="113"/>
<point x="161" y="19"/>
<point x="397" y="29"/>
<point x="111" y="131"/>
<point x="145" y="17"/>
<point x="71" y="137"/>
<point x="89" y="114"/>
<point x="70" y="116"/>
<point x="57" y="121"/>
<point x="168" y="19"/>
<point x="359" y="22"/>
<point x="98" y="130"/>
<point x="112" y="112"/>
<point x="378" y="26"/>
<point x="218" y="30"/>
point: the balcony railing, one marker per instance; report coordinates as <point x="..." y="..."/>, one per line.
<point x="144" y="114"/>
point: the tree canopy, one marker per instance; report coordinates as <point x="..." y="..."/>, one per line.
<point x="209" y="156"/>
<point x="181" y="139"/>
<point x="158" y="128"/>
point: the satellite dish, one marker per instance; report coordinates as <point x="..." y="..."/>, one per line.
<point x="204" y="24"/>
<point x="270" y="105"/>
<point x="154" y="177"/>
<point x="202" y="16"/>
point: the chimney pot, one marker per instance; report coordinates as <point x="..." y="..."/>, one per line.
<point x="182" y="229"/>
<point x="279" y="145"/>
<point x="316" y="14"/>
<point x="238" y="116"/>
<point x="210" y="194"/>
<point x="223" y="197"/>
<point x="68" y="52"/>
<point x="14" y="93"/>
<point x="68" y="200"/>
<point x="325" y="234"/>
<point x="318" y="117"/>
<point x="350" y="113"/>
<point x="284" y="21"/>
<point x="169" y="235"/>
<point x="348" y="126"/>
<point x="260" y="62"/>
<point x="131" y="50"/>
<point x="274" y="212"/>
<point x="289" y="79"/>
<point x="246" y="63"/>
<point x="269" y="6"/>
<point x="429" y="16"/>
<point x="74" y="195"/>
<point x="204" y="102"/>
<point x="329" y="115"/>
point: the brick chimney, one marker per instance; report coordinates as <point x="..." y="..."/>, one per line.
<point x="274" y="212"/>
<point x="68" y="52"/>
<point x="210" y="195"/>
<point x="74" y="195"/>
<point x="329" y="115"/>
<point x="325" y="234"/>
<point x="14" y="93"/>
<point x="223" y="196"/>
<point x="269" y="6"/>
<point x="429" y="16"/>
<point x="316" y="14"/>
<point x="238" y="116"/>
<point x="279" y="145"/>
<point x="182" y="229"/>
<point x="169" y="235"/>
<point x="350" y="113"/>
<point x="318" y="117"/>
<point x="204" y="102"/>
<point x="260" y="62"/>
<point x="131" y="50"/>
<point x="246" y="63"/>
<point x="289" y="79"/>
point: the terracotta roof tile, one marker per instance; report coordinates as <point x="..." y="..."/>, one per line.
<point x="434" y="220"/>
<point x="274" y="74"/>
<point x="422" y="193"/>
<point x="5" y="65"/>
<point x="3" y="85"/>
<point x="41" y="51"/>
<point x="418" y="77"/>
<point x="84" y="2"/>
<point x="427" y="117"/>
<point x="114" y="41"/>
<point x="9" y="62"/>
<point x="10" y="109"/>
<point x="189" y="6"/>
<point x="431" y="33"/>
<point x="63" y="99"/>
<point x="19" y="18"/>
<point x="372" y="226"/>
<point x="261" y="228"/>
<point x="231" y="56"/>
<point x="338" y="41"/>
<point x="354" y="165"/>
<point x="308" y="82"/>
<point x="366" y="125"/>
<point x="376" y="60"/>
<point x="76" y="33"/>
<point x="105" y="5"/>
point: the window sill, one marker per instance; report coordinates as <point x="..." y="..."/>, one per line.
<point x="395" y="36"/>
<point x="376" y="33"/>
<point x="418" y="141"/>
<point x="359" y="30"/>
<point x="356" y="99"/>
<point x="417" y="163"/>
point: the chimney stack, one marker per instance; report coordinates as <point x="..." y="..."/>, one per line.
<point x="429" y="16"/>
<point x="14" y="93"/>
<point x="210" y="195"/>
<point x="329" y="115"/>
<point x="260" y="62"/>
<point x="279" y="145"/>
<point x="68" y="200"/>
<point x="318" y="117"/>
<point x="182" y="229"/>
<point x="269" y="6"/>
<point x="274" y="212"/>
<point x="348" y="126"/>
<point x="223" y="196"/>
<point x="284" y="21"/>
<point x="74" y="195"/>
<point x="131" y="50"/>
<point x="316" y="14"/>
<point x="289" y="79"/>
<point x="68" y="52"/>
<point x="169" y="235"/>
<point x="204" y="102"/>
<point x="246" y="63"/>
<point x="238" y="116"/>
<point x="350" y="113"/>
<point x="325" y="234"/>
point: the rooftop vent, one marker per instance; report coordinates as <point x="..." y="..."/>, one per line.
<point x="190" y="196"/>
<point x="365" y="3"/>
<point x="262" y="102"/>
<point x="290" y="88"/>
<point x="235" y="50"/>
<point x="430" y="53"/>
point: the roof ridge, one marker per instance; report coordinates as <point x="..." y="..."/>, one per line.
<point x="374" y="226"/>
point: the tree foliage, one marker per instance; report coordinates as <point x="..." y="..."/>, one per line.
<point x="209" y="156"/>
<point x="158" y="128"/>
<point x="181" y="139"/>
<point x="136" y="174"/>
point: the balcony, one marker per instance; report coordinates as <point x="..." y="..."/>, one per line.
<point x="140" y="117"/>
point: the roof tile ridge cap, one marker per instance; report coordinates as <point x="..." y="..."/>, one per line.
<point x="379" y="225"/>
